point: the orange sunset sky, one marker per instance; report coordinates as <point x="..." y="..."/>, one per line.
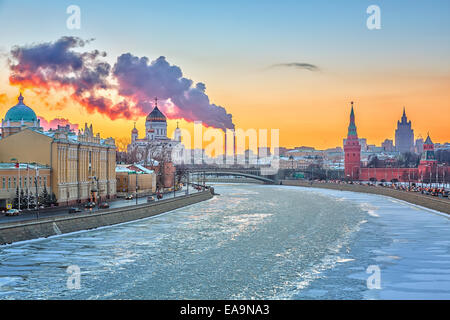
<point x="247" y="66"/>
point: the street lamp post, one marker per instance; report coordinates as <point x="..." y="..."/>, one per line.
<point x="37" y="193"/>
<point x="409" y="177"/>
<point x="421" y="179"/>
<point x="430" y="176"/>
<point x="17" y="165"/>
<point x="188" y="174"/>
<point x="437" y="176"/>
<point x="28" y="187"/>
<point x="137" y="187"/>
<point x="445" y="173"/>
<point x="98" y="190"/>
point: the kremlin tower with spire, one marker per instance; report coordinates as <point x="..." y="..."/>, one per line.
<point x="428" y="169"/>
<point x="352" y="150"/>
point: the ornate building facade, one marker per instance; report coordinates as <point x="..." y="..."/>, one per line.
<point x="30" y="178"/>
<point x="82" y="164"/>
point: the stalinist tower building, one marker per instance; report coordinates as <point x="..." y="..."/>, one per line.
<point x="404" y="135"/>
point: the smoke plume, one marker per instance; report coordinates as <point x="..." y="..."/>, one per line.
<point x="63" y="65"/>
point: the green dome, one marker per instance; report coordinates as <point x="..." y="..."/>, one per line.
<point x="20" y="112"/>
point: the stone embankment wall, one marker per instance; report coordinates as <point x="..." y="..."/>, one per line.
<point x="435" y="203"/>
<point x="232" y="180"/>
<point x="45" y="227"/>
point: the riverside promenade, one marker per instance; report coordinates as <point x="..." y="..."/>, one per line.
<point x="57" y="225"/>
<point x="430" y="202"/>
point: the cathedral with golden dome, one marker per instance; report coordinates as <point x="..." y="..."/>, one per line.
<point x="155" y="144"/>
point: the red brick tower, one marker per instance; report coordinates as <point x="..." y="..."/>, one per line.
<point x="428" y="162"/>
<point x="352" y="150"/>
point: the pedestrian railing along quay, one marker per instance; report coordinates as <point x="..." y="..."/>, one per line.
<point x="430" y="202"/>
<point x="56" y="225"/>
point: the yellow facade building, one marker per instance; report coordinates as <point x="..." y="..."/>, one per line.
<point x="30" y="178"/>
<point x="82" y="165"/>
<point x="130" y="177"/>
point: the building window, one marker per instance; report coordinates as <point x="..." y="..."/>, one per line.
<point x="15" y="183"/>
<point x="3" y="183"/>
<point x="9" y="183"/>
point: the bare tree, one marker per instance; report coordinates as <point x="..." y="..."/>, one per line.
<point x="133" y="155"/>
<point x="151" y="152"/>
<point x="122" y="143"/>
<point x="181" y="172"/>
<point x="163" y="157"/>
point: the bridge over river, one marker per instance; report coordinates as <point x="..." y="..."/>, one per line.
<point x="221" y="174"/>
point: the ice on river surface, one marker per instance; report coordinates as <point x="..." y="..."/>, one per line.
<point x="251" y="242"/>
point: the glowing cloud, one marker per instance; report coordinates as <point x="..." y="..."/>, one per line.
<point x="134" y="81"/>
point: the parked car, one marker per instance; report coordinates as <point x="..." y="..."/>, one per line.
<point x="129" y="197"/>
<point x="90" y="205"/>
<point x="12" y="212"/>
<point x="151" y="199"/>
<point x="74" y="210"/>
<point x="104" y="205"/>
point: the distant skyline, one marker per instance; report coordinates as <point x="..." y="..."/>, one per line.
<point x="288" y="65"/>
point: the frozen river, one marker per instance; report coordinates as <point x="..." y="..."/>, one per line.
<point x="251" y="242"/>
